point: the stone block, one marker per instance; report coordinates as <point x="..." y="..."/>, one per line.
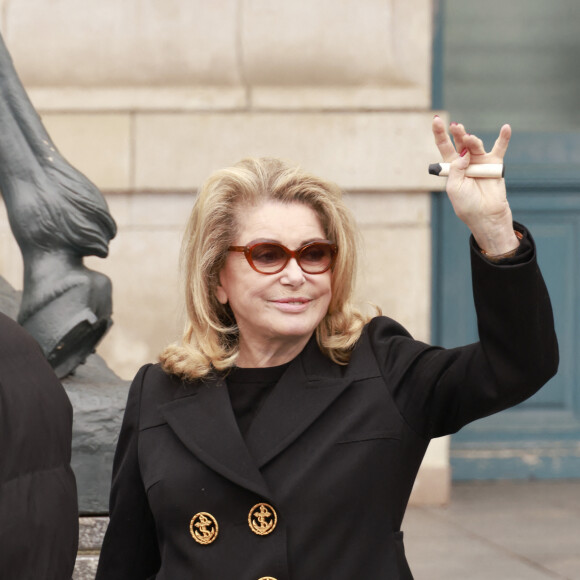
<point x="129" y="43"/>
<point x="324" y="43"/>
<point x="143" y="264"/>
<point x="91" y="532"/>
<point x="329" y="54"/>
<point x="390" y="209"/>
<point x="432" y="486"/>
<point x="97" y="145"/>
<point x="143" y="99"/>
<point x="337" y="54"/>
<point x="86" y="567"/>
<point x="120" y="206"/>
<point x="359" y="151"/>
<point x="167" y="210"/>
<point x="433" y="483"/>
<point x="369" y="98"/>
<point x="395" y="274"/>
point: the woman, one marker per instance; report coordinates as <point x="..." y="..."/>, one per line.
<point x="282" y="438"/>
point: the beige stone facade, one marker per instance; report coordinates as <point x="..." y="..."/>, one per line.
<point x="148" y="97"/>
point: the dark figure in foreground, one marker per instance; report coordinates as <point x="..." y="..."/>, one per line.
<point x="281" y="439"/>
<point x="38" y="496"/>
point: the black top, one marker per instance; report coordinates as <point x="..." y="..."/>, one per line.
<point x="248" y="389"/>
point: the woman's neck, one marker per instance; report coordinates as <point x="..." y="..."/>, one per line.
<point x="269" y="354"/>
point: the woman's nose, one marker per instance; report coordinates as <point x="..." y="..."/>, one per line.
<point x="292" y="273"/>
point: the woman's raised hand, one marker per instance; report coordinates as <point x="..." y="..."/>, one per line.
<point x="480" y="203"/>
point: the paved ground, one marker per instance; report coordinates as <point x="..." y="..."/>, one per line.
<point x="498" y="531"/>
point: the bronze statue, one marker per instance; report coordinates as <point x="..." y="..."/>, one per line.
<point x="57" y="216"/>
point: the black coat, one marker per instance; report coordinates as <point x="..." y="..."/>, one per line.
<point x="334" y="450"/>
<point x="38" y="496"/>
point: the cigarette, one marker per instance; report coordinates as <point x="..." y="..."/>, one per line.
<point x="482" y="170"/>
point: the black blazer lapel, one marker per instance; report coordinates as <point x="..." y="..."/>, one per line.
<point x="203" y="419"/>
<point x="307" y="388"/>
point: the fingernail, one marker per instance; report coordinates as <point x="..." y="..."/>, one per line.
<point x="436" y="116"/>
<point x="463" y="152"/>
<point x="454" y="123"/>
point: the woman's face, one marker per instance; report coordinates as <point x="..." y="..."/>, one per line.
<point x="276" y="313"/>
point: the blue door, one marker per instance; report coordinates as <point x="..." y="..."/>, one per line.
<point x="484" y="77"/>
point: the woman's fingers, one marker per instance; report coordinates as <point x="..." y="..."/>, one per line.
<point x="442" y="140"/>
<point x="462" y="140"/>
<point x="502" y="142"/>
<point x="475" y="146"/>
<point x="459" y="135"/>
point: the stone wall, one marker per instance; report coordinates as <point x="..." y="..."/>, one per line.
<point x="147" y="97"/>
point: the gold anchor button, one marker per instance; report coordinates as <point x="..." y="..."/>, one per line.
<point x="267" y="578"/>
<point x="262" y="519"/>
<point x="203" y="528"/>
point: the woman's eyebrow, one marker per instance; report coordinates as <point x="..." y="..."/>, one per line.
<point x="276" y="241"/>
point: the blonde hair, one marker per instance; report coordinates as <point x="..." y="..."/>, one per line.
<point x="210" y="340"/>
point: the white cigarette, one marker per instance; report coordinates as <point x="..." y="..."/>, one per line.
<point x="482" y="170"/>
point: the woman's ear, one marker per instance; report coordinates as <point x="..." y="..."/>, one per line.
<point x="221" y="294"/>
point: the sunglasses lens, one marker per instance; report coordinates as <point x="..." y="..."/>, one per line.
<point x="316" y="258"/>
<point x="268" y="257"/>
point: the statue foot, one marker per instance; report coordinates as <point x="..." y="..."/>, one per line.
<point x="69" y="327"/>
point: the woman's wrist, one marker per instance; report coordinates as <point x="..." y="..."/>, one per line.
<point x="508" y="254"/>
<point x="497" y="239"/>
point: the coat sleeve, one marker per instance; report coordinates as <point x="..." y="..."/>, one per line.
<point x="130" y="550"/>
<point x="439" y="390"/>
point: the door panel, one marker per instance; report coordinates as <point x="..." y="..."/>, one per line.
<point x="540" y="437"/>
<point x="516" y="62"/>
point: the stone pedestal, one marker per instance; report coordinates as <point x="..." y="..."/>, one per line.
<point x="98" y="398"/>
<point x="91" y="532"/>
